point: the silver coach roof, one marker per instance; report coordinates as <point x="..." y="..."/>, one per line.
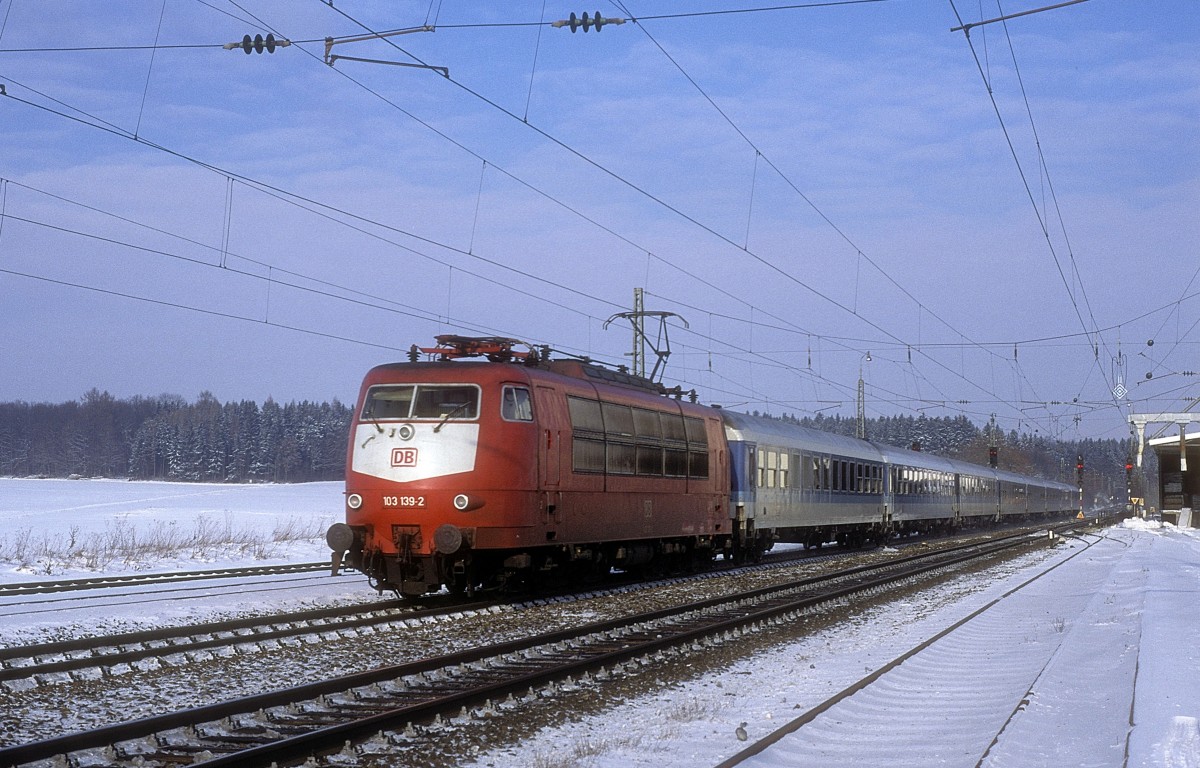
<point x="769" y="431"/>
<point x="906" y="458"/>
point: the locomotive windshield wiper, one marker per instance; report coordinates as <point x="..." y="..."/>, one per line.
<point x="447" y="417"/>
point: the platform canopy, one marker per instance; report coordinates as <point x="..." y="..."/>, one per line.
<point x="1140" y="420"/>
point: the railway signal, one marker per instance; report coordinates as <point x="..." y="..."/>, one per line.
<point x="1079" y="469"/>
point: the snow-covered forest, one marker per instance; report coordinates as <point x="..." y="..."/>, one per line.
<point x="168" y="438"/>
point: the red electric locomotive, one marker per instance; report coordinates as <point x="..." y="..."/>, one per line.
<point x="497" y="472"/>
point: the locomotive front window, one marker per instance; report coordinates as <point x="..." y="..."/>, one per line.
<point x="422" y="401"/>
<point x="388" y="402"/>
<point x="446" y="402"/>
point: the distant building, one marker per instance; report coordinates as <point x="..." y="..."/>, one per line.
<point x="1178" y="476"/>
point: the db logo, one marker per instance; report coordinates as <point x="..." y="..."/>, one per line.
<point x="404" y="457"/>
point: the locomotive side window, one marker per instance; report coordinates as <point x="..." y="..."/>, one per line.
<point x="587" y="444"/>
<point x="624" y="440"/>
<point x="618" y="435"/>
<point x="516" y="404"/>
<point x="587" y="455"/>
<point x="622" y="459"/>
<point x="646" y="424"/>
<point x="697" y="447"/>
<point x="677" y="462"/>
<point x="675" y="442"/>
<point x="672" y="424"/>
<point x="650" y="460"/>
<point x="585" y="415"/>
<point x="618" y="419"/>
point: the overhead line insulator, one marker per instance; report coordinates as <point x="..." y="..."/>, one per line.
<point x="258" y="43"/>
<point x="587" y="22"/>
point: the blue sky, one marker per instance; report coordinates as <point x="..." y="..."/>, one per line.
<point x="802" y="186"/>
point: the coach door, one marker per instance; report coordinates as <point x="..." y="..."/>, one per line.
<point x="743" y="477"/>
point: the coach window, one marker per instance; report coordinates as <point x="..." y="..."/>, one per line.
<point x="516" y="405"/>
<point x="783" y="470"/>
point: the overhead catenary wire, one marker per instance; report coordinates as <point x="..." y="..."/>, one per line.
<point x="649" y="195"/>
<point x="1029" y="191"/>
<point x="755" y="320"/>
<point x="120" y="132"/>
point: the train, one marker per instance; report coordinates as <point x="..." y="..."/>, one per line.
<point x="477" y="465"/>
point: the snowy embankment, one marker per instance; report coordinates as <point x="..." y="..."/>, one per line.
<point x="77" y="528"/>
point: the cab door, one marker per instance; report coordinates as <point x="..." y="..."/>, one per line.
<point x="552" y="426"/>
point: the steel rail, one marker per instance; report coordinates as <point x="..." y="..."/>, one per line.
<point x="104" y="582"/>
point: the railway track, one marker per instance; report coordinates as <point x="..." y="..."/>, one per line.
<point x="32" y="664"/>
<point x="54" y="586"/>
<point x="290" y="725"/>
<point x="49" y="662"/>
<point x="42" y="661"/>
<point x="902" y="686"/>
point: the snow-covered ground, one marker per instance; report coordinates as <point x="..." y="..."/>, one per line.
<point x="52" y="529"/>
<point x="1093" y="663"/>
<point x="78" y="528"/>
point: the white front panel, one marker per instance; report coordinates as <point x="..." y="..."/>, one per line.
<point x="386" y="455"/>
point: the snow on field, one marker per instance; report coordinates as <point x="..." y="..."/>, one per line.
<point x="77" y="528"/>
<point x="1109" y="665"/>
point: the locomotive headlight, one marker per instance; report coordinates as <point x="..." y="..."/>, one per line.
<point x="465" y="503"/>
<point x="354" y="501"/>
